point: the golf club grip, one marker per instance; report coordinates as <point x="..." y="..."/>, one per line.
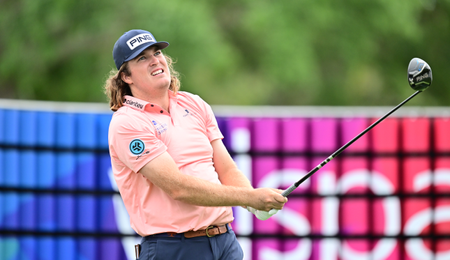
<point x="288" y="191"/>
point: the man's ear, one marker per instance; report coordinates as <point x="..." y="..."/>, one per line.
<point x="125" y="78"/>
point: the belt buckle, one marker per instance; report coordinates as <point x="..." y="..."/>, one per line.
<point x="206" y="231"/>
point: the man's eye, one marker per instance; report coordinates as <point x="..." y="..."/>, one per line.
<point x="157" y="53"/>
<point x="142" y="58"/>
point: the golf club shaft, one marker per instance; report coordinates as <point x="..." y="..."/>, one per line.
<point x="331" y="157"/>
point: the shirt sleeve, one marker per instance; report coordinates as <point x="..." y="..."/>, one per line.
<point x="212" y="127"/>
<point x="133" y="141"/>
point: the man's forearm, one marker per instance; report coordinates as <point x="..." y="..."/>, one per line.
<point x="234" y="191"/>
<point x="204" y="193"/>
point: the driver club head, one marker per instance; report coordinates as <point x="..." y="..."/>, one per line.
<point x="419" y="74"/>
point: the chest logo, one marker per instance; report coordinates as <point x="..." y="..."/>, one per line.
<point x="137" y="146"/>
<point x="187" y="113"/>
<point x="160" y="128"/>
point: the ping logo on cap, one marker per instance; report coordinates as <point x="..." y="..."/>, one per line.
<point x="139" y="40"/>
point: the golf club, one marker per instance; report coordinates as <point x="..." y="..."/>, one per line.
<point x="419" y="78"/>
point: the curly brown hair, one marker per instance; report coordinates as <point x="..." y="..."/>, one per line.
<point x="115" y="88"/>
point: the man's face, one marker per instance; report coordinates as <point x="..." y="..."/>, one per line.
<point x="149" y="71"/>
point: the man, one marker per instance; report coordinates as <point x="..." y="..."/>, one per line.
<point x="177" y="180"/>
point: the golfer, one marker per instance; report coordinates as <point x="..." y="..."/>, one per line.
<point x="176" y="178"/>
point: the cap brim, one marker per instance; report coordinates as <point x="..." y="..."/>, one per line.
<point x="160" y="45"/>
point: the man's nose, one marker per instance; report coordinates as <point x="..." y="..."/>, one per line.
<point x="154" y="61"/>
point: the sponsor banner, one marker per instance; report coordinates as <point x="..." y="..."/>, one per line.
<point x="57" y="190"/>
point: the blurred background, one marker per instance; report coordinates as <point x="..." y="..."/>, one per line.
<point x="290" y="82"/>
<point x="231" y="52"/>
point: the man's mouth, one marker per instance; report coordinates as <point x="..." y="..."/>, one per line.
<point x="157" y="72"/>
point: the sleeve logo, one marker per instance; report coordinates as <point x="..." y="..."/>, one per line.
<point x="137" y="146"/>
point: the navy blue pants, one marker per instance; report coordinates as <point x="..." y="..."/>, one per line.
<point x="163" y="246"/>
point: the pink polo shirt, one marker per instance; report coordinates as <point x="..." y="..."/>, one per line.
<point x="139" y="132"/>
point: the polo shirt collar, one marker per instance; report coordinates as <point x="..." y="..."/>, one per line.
<point x="134" y="103"/>
<point x="141" y="105"/>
